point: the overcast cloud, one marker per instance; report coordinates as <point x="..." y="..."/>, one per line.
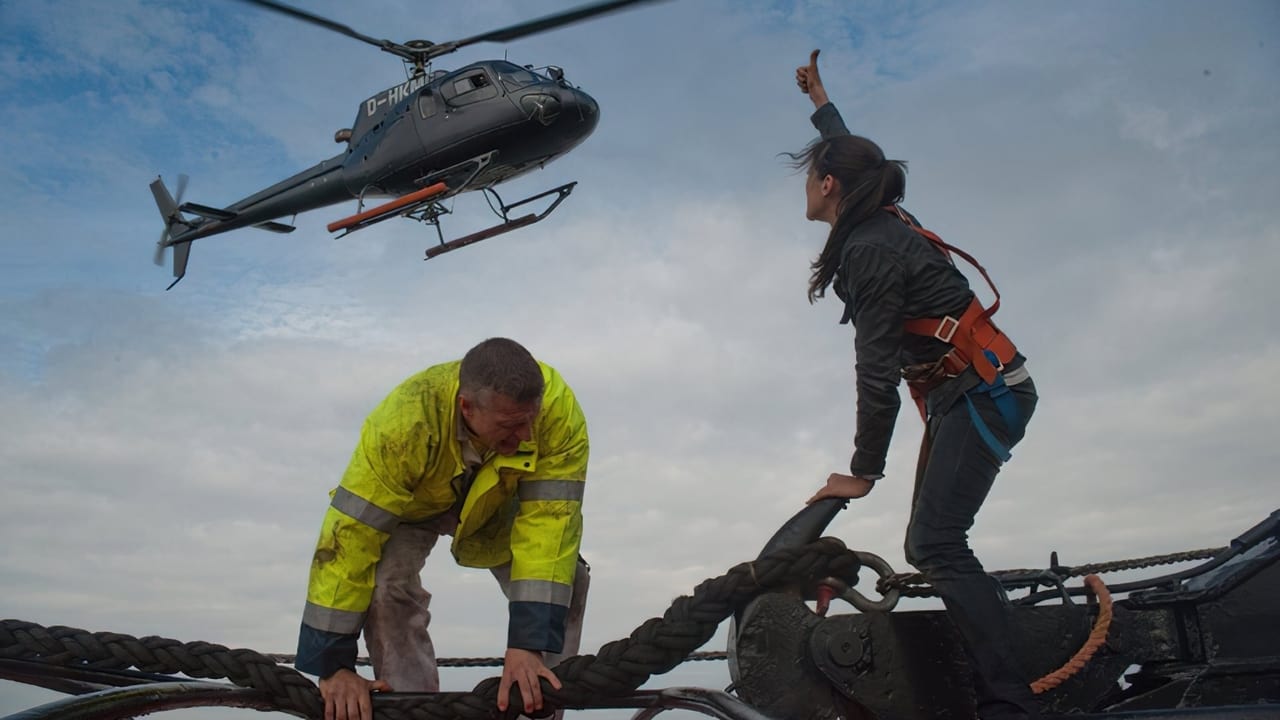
<point x="166" y="457"/>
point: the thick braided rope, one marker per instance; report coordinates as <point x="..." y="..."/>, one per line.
<point x="1097" y="637"/>
<point x="73" y="647"/>
<point x="657" y="646"/>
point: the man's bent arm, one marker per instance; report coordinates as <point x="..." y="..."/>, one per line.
<point x="364" y="510"/>
<point x="547" y="533"/>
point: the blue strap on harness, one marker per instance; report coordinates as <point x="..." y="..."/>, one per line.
<point x="1005" y="403"/>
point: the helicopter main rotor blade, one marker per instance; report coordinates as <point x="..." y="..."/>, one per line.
<point x="389" y="46"/>
<point x="420" y="52"/>
<point x="541" y="24"/>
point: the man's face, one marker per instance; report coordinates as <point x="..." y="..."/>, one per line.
<point x="498" y="422"/>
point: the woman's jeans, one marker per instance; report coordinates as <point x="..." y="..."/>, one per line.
<point x="957" y="471"/>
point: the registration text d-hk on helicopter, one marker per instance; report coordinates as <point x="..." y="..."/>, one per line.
<point x="430" y="138"/>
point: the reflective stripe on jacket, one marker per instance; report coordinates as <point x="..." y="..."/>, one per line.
<point x="524" y="508"/>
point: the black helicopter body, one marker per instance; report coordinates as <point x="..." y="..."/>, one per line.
<point x="430" y="138"/>
<point x="528" y="119"/>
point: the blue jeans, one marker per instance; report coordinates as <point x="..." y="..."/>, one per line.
<point x="956" y="472"/>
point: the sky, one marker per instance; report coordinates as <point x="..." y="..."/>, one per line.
<point x="165" y="457"/>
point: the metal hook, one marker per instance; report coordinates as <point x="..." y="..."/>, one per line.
<point x="886" y="603"/>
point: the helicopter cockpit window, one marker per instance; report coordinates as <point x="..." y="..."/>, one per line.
<point x="472" y="87"/>
<point x="513" y="76"/>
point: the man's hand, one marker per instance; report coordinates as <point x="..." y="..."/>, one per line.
<point x="843" y="486"/>
<point x="346" y="695"/>
<point x="524" y="667"/>
<point x="810" y="81"/>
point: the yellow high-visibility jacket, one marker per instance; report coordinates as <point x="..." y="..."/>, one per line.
<point x="525" y="509"/>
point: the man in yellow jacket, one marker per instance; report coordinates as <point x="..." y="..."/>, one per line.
<point x="491" y="449"/>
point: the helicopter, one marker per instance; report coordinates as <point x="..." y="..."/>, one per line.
<point x="430" y="138"/>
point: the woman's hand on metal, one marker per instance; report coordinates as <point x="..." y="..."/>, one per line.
<point x="810" y="82"/>
<point x="842" y="486"/>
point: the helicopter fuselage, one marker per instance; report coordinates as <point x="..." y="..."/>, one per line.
<point x="405" y="135"/>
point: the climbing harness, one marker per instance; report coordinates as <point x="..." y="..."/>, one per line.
<point x="975" y="342"/>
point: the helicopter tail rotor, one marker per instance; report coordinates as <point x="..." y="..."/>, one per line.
<point x="168" y="210"/>
<point x="169" y="207"/>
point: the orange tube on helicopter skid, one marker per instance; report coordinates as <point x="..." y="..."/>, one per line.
<point x="390" y="207"/>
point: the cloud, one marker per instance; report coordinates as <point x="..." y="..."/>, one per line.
<point x="1155" y="126"/>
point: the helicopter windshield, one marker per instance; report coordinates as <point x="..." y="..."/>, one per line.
<point x="514" y="77"/>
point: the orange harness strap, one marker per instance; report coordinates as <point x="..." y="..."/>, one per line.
<point x="974" y="339"/>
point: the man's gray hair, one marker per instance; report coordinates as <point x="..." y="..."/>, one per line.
<point x="503" y="366"/>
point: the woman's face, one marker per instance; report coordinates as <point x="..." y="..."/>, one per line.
<point x="819" y="198"/>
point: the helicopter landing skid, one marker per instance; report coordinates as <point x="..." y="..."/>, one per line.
<point x="508" y="224"/>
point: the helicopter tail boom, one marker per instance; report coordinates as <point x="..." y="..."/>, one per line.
<point x="181" y="229"/>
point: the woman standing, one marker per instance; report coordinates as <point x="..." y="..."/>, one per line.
<point x="915" y="317"/>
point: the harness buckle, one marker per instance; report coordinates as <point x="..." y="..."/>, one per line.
<point x="994" y="360"/>
<point x="946" y="329"/>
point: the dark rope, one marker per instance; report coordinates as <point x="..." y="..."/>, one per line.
<point x="473" y="662"/>
<point x="60" y="645"/>
<point x="915" y="584"/>
<point x="619" y="668"/>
